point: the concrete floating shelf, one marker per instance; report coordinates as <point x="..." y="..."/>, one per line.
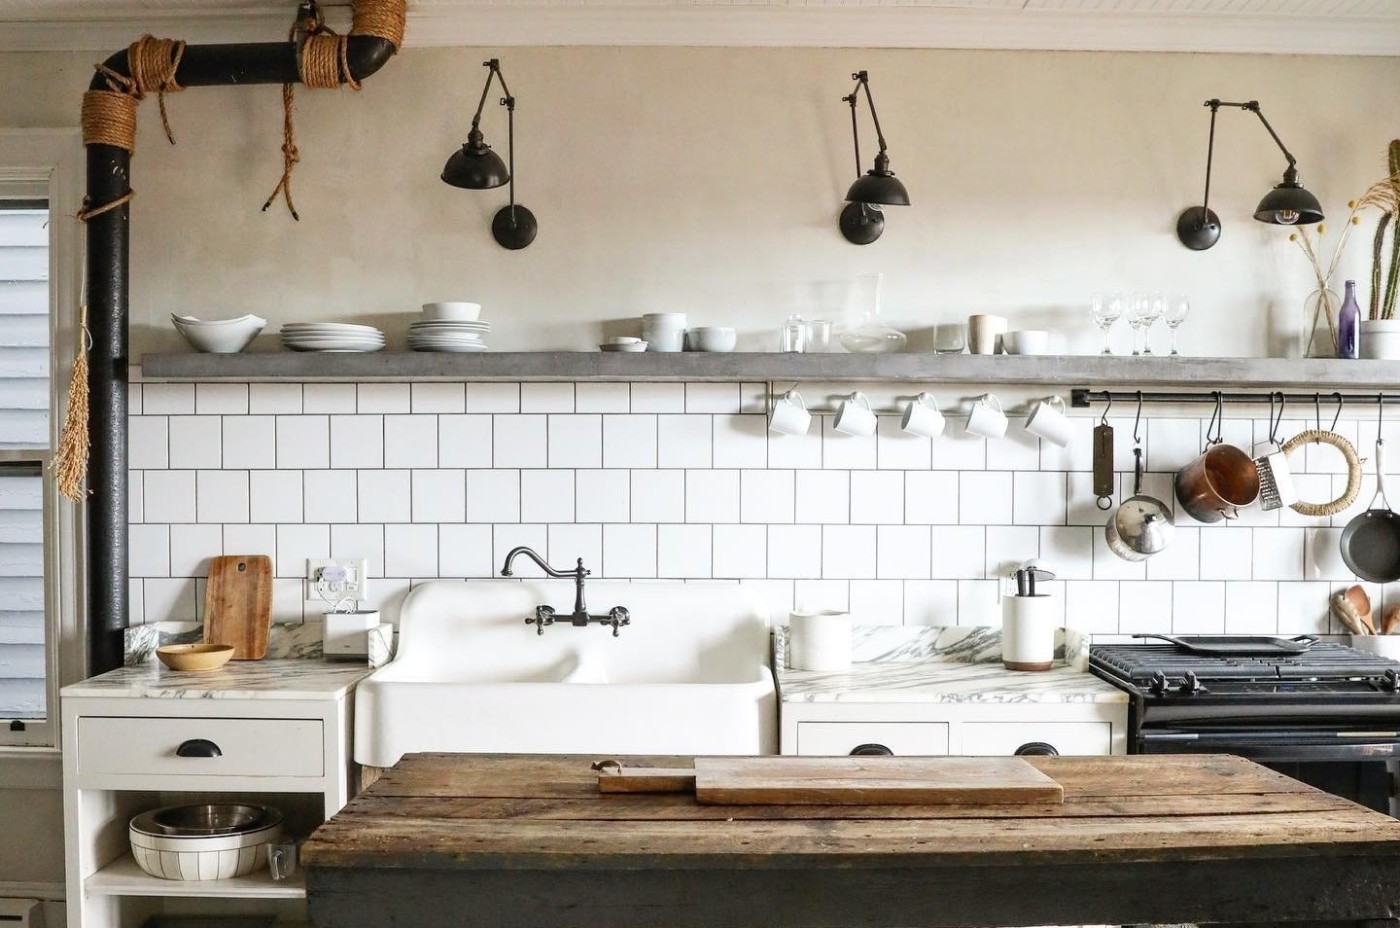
<point x="1064" y="370"/>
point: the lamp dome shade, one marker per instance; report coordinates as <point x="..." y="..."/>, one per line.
<point x="475" y="168"/>
<point x="878" y="187"/>
<point x="1289" y="204"/>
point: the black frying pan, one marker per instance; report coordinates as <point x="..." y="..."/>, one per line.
<point x="1371" y="540"/>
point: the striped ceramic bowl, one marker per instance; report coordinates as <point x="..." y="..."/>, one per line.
<point x="203" y="856"/>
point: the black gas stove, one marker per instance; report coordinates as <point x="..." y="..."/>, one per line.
<point x="1326" y="714"/>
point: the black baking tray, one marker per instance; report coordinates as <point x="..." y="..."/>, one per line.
<point x="1238" y="645"/>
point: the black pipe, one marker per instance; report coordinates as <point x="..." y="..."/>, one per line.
<point x="108" y="297"/>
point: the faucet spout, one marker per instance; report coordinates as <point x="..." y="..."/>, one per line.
<point x="580" y="616"/>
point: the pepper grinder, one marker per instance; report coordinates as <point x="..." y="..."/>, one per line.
<point x="1028" y="622"/>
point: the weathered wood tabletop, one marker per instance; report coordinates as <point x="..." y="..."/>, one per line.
<point x="527" y="841"/>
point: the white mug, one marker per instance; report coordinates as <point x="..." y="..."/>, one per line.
<point x="664" y="331"/>
<point x="984" y="333"/>
<point x="1048" y="421"/>
<point x="854" y="416"/>
<point x="922" y="418"/>
<point x="790" y="415"/>
<point x="986" y="418"/>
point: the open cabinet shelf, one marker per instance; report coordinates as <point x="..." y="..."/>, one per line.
<point x="123" y="877"/>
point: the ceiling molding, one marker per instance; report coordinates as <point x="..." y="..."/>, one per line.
<point x="558" y="22"/>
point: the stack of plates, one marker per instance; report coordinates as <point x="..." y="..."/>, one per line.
<point x="434" y="335"/>
<point x="331" y="336"/>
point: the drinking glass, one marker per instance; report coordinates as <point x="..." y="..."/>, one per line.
<point x="1140" y="318"/>
<point x="1106" y="310"/>
<point x="949" y="338"/>
<point x="1178" y="308"/>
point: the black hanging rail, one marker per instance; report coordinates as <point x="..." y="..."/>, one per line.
<point x="1082" y="398"/>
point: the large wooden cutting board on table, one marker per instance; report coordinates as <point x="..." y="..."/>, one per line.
<point x="238" y="604"/>
<point x="861" y="781"/>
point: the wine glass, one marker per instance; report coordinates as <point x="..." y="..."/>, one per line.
<point x="1106" y="309"/>
<point x="1139" y="318"/>
<point x="1178" y="308"/>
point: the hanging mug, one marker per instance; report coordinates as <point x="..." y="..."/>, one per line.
<point x="790" y="415"/>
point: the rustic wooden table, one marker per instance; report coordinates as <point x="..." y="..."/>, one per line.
<point x="528" y="842"/>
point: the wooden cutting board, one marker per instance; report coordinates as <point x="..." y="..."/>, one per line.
<point x="238" y="604"/>
<point x="843" y="781"/>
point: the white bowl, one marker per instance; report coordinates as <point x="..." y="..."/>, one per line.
<point x="223" y="336"/>
<point x="202" y="857"/>
<point x="452" y="312"/>
<point x="1026" y="341"/>
<point x="713" y="338"/>
<point x="631" y="347"/>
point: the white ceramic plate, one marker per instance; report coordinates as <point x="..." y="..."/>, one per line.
<point x="627" y="347"/>
<point x="460" y="349"/>
<point x="449" y="326"/>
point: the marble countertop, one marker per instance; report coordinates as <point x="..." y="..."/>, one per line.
<point x="947" y="665"/>
<point x="265" y="679"/>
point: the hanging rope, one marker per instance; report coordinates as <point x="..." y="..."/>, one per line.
<point x="71" y="460"/>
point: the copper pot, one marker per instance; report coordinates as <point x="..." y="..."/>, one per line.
<point x="1218" y="484"/>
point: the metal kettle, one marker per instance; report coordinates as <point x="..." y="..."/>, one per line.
<point x="1142" y="526"/>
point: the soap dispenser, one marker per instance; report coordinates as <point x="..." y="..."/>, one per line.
<point x="1028" y="621"/>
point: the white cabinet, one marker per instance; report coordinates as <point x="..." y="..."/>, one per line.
<point x="273" y="732"/>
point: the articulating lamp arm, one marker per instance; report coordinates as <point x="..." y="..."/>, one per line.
<point x="495" y="65"/>
<point x="1291" y="174"/>
<point x="882" y="160"/>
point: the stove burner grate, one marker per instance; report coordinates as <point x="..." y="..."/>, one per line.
<point x="1324" y="661"/>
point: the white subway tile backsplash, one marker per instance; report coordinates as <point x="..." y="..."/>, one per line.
<point x="357" y="441"/>
<point x="289" y="602"/>
<point x="821" y="595"/>
<point x="464" y="441"/>
<point x="520" y="441"/>
<point x="410" y="441"/>
<point x="170" y="496"/>
<point x="411" y="550"/>
<point x="629" y="550"/>
<point x="720" y="398"/>
<point x="658" y="496"/>
<point x="506" y="537"/>
<point x="658" y="397"/>
<point x="904" y="552"/>
<point x="545" y="496"/>
<point x="683" y="551"/>
<point x="386" y="496"/>
<point x="212" y="399"/>
<point x="269" y="399"/>
<point x="683" y="481"/>
<point x="441" y="495"/>
<point x="493" y="496"/>
<point x="328" y="398"/>
<point x="133" y="403"/>
<point x="629" y="441"/>
<point x="767" y="496"/>
<point x="438" y="398"/>
<point x="601" y="496"/>
<point x="683" y="441"/>
<point x="849" y="552"/>
<point x="195" y="442"/>
<point x="547" y="397"/>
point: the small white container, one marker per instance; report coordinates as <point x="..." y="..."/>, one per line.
<point x="1026" y="341"/>
<point x="664" y="331"/>
<point x="819" y="641"/>
<point x="713" y="338"/>
<point x="346" y="634"/>
<point x="1380" y="339"/>
<point x="1028" y="632"/>
<point x="452" y="311"/>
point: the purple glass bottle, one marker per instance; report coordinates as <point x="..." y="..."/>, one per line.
<point x="1349" y="325"/>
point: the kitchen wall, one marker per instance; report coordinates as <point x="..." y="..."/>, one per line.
<point x="684" y="482"/>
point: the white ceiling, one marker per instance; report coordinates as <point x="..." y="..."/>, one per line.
<point x="1363" y="27"/>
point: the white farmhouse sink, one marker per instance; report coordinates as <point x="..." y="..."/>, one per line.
<point x="690" y="675"/>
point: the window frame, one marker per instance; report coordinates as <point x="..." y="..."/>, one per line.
<point x="54" y="158"/>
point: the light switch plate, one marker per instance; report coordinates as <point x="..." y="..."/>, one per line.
<point x="325" y="587"/>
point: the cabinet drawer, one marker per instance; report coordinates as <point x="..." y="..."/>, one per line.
<point x="1003" y="738"/>
<point x="248" y="747"/>
<point x="902" y="738"/>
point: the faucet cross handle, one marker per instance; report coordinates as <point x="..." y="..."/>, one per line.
<point x="544" y="615"/>
<point x="618" y="616"/>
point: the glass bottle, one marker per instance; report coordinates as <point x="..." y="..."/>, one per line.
<point x="1349" y="325"/>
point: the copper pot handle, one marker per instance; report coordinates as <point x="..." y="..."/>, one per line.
<point x="1353" y="487"/>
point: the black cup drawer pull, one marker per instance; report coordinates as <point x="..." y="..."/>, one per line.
<point x="878" y="750"/>
<point x="1037" y="749"/>
<point x="198" y="747"/>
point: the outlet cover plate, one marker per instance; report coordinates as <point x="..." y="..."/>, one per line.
<point x="356" y="585"/>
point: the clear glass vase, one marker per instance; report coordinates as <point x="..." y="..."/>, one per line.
<point x="872" y="336"/>
<point x="1319" y="336"/>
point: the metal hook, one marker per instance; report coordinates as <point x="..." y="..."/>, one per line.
<point x="1275" y="424"/>
<point x="1217" y="420"/>
<point x="1317" y="410"/>
<point x="1137" y="440"/>
<point x="1380" y="415"/>
<point x="1338" y="416"/>
<point x="1103" y="419"/>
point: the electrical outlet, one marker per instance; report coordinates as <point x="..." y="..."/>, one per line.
<point x="331" y="580"/>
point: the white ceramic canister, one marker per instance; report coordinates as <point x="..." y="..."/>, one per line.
<point x="819" y="641"/>
<point x="1028" y="632"/>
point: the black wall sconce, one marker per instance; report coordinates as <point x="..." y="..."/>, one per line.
<point x="476" y="167"/>
<point x="1286" y="205"/>
<point x="863" y="218"/>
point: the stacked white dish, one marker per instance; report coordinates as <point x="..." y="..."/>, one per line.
<point x="215" y="841"/>
<point x="219" y="336"/>
<point x="449" y="327"/>
<point x="331" y="336"/>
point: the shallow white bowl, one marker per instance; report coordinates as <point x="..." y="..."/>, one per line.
<point x="1026" y="341"/>
<point x="223" y="336"/>
<point x="452" y="311"/>
<point x="203" y="857"/>
<point x="628" y="347"/>
<point x="713" y="338"/>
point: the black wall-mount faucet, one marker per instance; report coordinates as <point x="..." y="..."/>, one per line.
<point x="546" y="615"/>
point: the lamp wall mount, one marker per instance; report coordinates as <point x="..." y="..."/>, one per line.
<point x="862" y="219"/>
<point x="1288" y="203"/>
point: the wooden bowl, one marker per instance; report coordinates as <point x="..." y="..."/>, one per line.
<point x="194" y="657"/>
